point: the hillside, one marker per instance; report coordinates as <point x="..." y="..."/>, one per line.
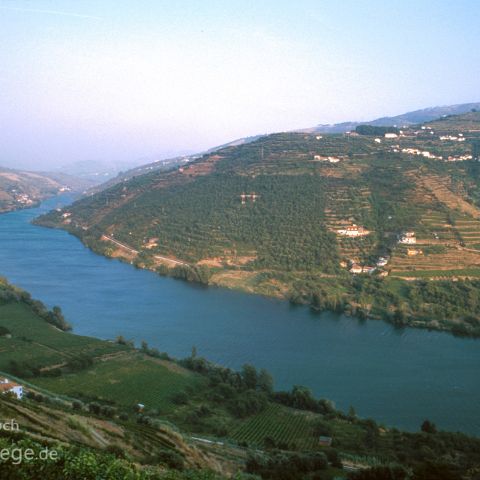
<point x="405" y="119"/>
<point x="197" y="420"/>
<point x="22" y="189"/>
<point x="162" y="165"/>
<point x="410" y="118"/>
<point x="352" y="223"/>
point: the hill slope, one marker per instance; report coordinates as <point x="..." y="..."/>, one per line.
<point x="22" y="189"/>
<point x="289" y="214"/>
<point x="405" y="119"/>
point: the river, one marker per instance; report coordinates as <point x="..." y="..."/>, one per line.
<point x="398" y="377"/>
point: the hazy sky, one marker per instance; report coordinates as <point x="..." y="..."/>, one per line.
<point x="123" y="79"/>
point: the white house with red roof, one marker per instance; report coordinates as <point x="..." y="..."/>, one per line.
<point x="7" y="386"/>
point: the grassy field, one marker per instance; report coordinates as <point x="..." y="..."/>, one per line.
<point x="40" y="344"/>
<point x="119" y="374"/>
<point x="127" y="380"/>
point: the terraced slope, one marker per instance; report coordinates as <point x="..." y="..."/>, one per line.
<point x="268" y="216"/>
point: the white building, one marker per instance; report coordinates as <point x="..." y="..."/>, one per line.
<point x="391" y="135"/>
<point x="382" y="261"/>
<point x="353" y="231"/>
<point x="7" y="386"/>
<point x="321" y="158"/>
<point x="408" y="238"/>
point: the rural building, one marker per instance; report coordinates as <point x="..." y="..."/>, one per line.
<point x="391" y="135"/>
<point x="152" y="242"/>
<point x="355" y="268"/>
<point x="368" y="269"/>
<point x="412" y="252"/>
<point x="7" y="386"/>
<point x="382" y="261"/>
<point x="321" y="158"/>
<point x="408" y="238"/>
<point x="353" y="231"/>
<point x="377" y="140"/>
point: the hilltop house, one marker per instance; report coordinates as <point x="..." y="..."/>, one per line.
<point x="353" y="231"/>
<point x="7" y="386"/>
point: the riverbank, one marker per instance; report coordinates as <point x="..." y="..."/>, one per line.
<point x="441" y="304"/>
<point x="143" y="391"/>
<point x="396" y="375"/>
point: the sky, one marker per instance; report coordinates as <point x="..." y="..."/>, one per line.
<point x="124" y="80"/>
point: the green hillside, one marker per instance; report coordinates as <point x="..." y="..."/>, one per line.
<point x="267" y="217"/>
<point x="197" y="420"/>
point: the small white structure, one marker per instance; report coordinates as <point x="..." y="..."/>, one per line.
<point x="353" y="231"/>
<point x="321" y="158"/>
<point x="382" y="261"/>
<point x="391" y="135"/>
<point x="7" y="386"/>
<point x="378" y="140"/>
<point x="408" y="238"/>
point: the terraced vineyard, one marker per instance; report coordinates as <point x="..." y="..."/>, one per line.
<point x="264" y="216"/>
<point x="280" y="424"/>
<point x="447" y="246"/>
<point x="127" y="380"/>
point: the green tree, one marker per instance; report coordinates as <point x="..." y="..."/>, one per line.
<point x="249" y="376"/>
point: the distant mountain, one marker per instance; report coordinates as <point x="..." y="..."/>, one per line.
<point x="22" y="189"/>
<point x="97" y="171"/>
<point x="409" y="118"/>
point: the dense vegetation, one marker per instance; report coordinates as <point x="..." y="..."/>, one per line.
<point x="373" y="130"/>
<point x="265" y="216"/>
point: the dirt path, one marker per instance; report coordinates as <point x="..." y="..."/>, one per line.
<point x="136" y="252"/>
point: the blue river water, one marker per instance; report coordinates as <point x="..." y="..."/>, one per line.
<point x="398" y="377"/>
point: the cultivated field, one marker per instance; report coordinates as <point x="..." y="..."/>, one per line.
<point x="280" y="424"/>
<point x="126" y="380"/>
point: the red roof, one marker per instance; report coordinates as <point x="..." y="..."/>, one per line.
<point x="5" y="387"/>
